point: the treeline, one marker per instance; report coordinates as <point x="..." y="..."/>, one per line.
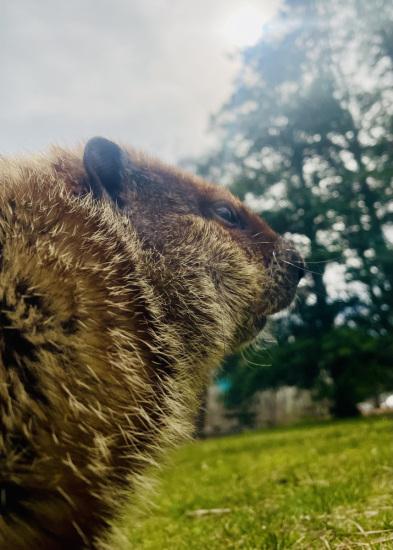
<point x="307" y="139"/>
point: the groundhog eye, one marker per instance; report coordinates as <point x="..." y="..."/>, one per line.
<point x="226" y="214"/>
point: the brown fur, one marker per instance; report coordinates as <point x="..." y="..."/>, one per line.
<point x="111" y="320"/>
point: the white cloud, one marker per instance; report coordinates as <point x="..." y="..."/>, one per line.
<point x="148" y="73"/>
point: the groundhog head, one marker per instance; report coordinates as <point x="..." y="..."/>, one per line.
<point x="194" y="226"/>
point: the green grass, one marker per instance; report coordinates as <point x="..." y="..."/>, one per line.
<point x="327" y="485"/>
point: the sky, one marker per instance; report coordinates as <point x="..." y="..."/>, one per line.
<point x="148" y="73"/>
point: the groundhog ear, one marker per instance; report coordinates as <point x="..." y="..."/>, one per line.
<point x="103" y="161"/>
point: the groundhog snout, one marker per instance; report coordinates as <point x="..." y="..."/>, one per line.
<point x="282" y="276"/>
<point x="293" y="261"/>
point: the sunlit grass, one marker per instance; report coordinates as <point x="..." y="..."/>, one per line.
<point x="319" y="486"/>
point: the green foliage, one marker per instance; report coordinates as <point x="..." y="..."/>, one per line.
<point x="307" y="135"/>
<point x="345" y="365"/>
<point x="318" y="486"/>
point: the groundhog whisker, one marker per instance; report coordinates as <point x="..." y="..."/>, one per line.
<point x="275" y="260"/>
<point x="300" y="267"/>
<point x="324" y="261"/>
<point x="252" y="363"/>
<point x="336" y="259"/>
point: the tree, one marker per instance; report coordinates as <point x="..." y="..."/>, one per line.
<point x="307" y="136"/>
<point x="346" y="365"/>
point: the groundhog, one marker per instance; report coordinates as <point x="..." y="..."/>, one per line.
<point x="123" y="283"/>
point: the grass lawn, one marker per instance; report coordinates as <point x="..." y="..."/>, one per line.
<point x="327" y="485"/>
